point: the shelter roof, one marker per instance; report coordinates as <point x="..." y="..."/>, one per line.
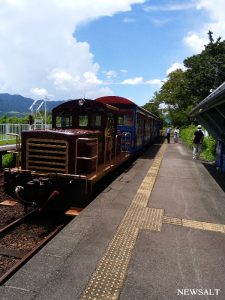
<point x="210" y="112"/>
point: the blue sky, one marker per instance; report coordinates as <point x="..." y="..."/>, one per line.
<point x="71" y="49"/>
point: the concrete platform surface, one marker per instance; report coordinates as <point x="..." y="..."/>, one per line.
<point x="157" y="232"/>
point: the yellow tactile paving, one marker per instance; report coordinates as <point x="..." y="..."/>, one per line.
<point x="153" y="219"/>
<point x="170" y="220"/>
<point x="194" y="224"/>
<point x="203" y="225"/>
<point x="107" y="280"/>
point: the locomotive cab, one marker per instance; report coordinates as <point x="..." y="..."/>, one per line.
<point x="86" y="117"/>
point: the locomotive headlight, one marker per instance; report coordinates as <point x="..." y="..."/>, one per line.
<point x="81" y="102"/>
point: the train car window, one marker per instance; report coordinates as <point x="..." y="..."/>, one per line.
<point x="147" y="125"/>
<point x="96" y="120"/>
<point x="63" y="121"/>
<point x="83" y="120"/>
<point x="126" y="120"/>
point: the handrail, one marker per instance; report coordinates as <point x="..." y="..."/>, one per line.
<point x="108" y="137"/>
<point x="17" y="139"/>
<point x="116" y="143"/>
<point x="18" y="146"/>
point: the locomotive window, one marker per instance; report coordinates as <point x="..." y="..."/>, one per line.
<point x="63" y="121"/>
<point x="96" y="120"/>
<point x="83" y="120"/>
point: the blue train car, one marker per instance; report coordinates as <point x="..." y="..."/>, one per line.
<point x="139" y="126"/>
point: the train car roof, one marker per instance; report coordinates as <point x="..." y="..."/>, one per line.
<point x="78" y="103"/>
<point x="115" y="100"/>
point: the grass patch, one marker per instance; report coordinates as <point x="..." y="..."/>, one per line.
<point x="9" y="142"/>
<point x="8" y="161"/>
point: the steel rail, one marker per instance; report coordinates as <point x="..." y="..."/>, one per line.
<point x="6" y="228"/>
<point x="30" y="254"/>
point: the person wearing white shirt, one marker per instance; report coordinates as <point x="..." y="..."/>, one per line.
<point x="176" y="135"/>
<point x="168" y="132"/>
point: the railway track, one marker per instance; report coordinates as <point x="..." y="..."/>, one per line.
<point x="23" y="238"/>
<point x="11" y="225"/>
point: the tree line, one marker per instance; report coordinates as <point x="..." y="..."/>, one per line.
<point x="184" y="89"/>
<point x="24" y="120"/>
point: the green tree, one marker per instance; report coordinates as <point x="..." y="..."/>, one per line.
<point x="186" y="88"/>
<point x="153" y="107"/>
<point x="174" y="95"/>
<point x="206" y="71"/>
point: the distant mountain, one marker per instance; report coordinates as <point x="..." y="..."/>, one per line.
<point x="19" y="105"/>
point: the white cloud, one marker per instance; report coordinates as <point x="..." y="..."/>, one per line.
<point x="129" y="20"/>
<point x="169" y="7"/>
<point x="216" y="12"/>
<point x="110" y="74"/>
<point x="215" y="8"/>
<point x="160" y="22"/>
<point x="174" y="67"/>
<point x="140" y="80"/>
<point x="63" y="80"/>
<point x="38" y="48"/>
<point x="154" y="82"/>
<point x="133" y="81"/>
<point x="40" y="92"/>
<point x="91" y="78"/>
<point x="196" y="41"/>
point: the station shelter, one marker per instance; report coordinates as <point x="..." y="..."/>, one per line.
<point x="211" y="114"/>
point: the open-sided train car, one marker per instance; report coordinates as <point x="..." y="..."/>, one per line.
<point x="140" y="127"/>
<point x="59" y="166"/>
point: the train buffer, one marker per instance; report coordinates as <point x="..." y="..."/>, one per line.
<point x="157" y="232"/>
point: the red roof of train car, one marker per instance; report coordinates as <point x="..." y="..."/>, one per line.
<point x="115" y="100"/>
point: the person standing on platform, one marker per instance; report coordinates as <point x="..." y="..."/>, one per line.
<point x="176" y="135"/>
<point x="168" y="132"/>
<point x="197" y="142"/>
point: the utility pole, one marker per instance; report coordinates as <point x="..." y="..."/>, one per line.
<point x="46" y="99"/>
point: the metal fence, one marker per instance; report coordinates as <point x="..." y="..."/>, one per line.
<point x="8" y="131"/>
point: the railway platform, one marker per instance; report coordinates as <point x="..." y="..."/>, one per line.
<point x="156" y="232"/>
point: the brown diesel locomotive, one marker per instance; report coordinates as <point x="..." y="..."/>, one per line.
<point x="59" y="166"/>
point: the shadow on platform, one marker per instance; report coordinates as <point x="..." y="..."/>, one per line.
<point x="217" y="175"/>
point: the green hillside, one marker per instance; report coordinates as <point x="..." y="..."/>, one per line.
<point x="19" y="105"/>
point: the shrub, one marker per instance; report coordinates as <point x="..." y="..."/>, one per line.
<point x="208" y="149"/>
<point x="209" y="143"/>
<point x="7" y="161"/>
